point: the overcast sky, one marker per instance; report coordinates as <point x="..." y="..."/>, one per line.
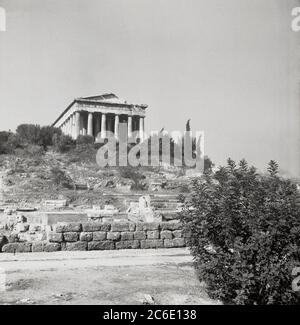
<point x="230" y="66"/>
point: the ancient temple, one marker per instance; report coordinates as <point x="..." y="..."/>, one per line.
<point x="96" y="115"/>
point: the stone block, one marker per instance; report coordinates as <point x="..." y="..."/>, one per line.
<point x="86" y="236"/>
<point x="21" y="227"/>
<point x="71" y="236"/>
<point x="99" y="235"/>
<point x="144" y="226"/>
<point x="101" y="245"/>
<point x="178" y="233"/>
<point x="55" y="237"/>
<point x="171" y="225"/>
<point x="37" y="247"/>
<point x="122" y="226"/>
<point x="152" y="243"/>
<point x="67" y="227"/>
<point x="77" y="246"/>
<point x="113" y="235"/>
<point x="127" y="244"/>
<point x="95" y="226"/>
<point x="17" y="247"/>
<point x="13" y="238"/>
<point x="166" y="234"/>
<point x="126" y="235"/>
<point x="172" y="243"/>
<point x="139" y="235"/>
<point x="52" y="247"/>
<point x="56" y="203"/>
<point x="153" y="234"/>
<point x="35" y="228"/>
<point x="31" y="237"/>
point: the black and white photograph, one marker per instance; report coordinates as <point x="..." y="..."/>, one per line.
<point x="149" y="155"/>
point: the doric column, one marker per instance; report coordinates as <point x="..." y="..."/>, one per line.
<point x="129" y="126"/>
<point x="90" y="124"/>
<point x="77" y="125"/>
<point x="97" y="125"/>
<point x="141" y="128"/>
<point x="117" y="126"/>
<point x="70" y="126"/>
<point x="73" y="126"/>
<point x="103" y="125"/>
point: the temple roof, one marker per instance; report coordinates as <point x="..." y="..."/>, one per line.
<point x="109" y="98"/>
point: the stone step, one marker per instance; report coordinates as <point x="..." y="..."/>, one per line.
<point x="50" y="218"/>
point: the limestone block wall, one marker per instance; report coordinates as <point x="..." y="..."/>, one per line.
<point x="105" y="236"/>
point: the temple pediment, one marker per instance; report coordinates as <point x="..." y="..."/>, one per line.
<point x="95" y="115"/>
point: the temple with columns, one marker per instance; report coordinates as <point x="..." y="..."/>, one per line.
<point x="96" y="115"/>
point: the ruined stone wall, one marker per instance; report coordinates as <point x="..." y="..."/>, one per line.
<point x="105" y="236"/>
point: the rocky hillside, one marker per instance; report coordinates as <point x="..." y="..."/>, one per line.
<point x="26" y="180"/>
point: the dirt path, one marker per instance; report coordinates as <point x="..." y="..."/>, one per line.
<point x="102" y="277"/>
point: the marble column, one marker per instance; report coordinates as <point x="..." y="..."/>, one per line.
<point x="73" y="126"/>
<point x="129" y="126"/>
<point x="103" y="125"/>
<point x="90" y="124"/>
<point x="97" y="125"/>
<point x="141" y="128"/>
<point x="77" y="125"/>
<point x="117" y="126"/>
<point x="69" y="126"/>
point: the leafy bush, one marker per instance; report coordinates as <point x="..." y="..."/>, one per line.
<point x="29" y="133"/>
<point x="62" y="143"/>
<point x="9" y="142"/>
<point x="245" y="234"/>
<point x="133" y="174"/>
<point x="84" y="139"/>
<point x="46" y="135"/>
<point x="3" y="142"/>
<point x="60" y="178"/>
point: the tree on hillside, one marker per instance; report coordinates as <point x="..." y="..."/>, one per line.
<point x="245" y="234"/>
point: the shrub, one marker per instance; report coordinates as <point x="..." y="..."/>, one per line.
<point x="133" y="174"/>
<point x="3" y="142"/>
<point x="46" y="135"/>
<point x="60" y="178"/>
<point x="84" y="139"/>
<point x="9" y="142"/>
<point x="30" y="150"/>
<point x="245" y="234"/>
<point x="62" y="143"/>
<point x="29" y="133"/>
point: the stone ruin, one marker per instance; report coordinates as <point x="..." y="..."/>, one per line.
<point x="143" y="225"/>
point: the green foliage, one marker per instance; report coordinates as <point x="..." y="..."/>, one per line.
<point x="46" y="135"/>
<point x="245" y="234"/>
<point x="37" y="135"/>
<point x="133" y="174"/>
<point x="60" y="178"/>
<point x="62" y="143"/>
<point x="84" y="139"/>
<point x="9" y="142"/>
<point x="29" y="133"/>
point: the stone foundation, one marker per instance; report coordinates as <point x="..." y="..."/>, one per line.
<point x="104" y="236"/>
